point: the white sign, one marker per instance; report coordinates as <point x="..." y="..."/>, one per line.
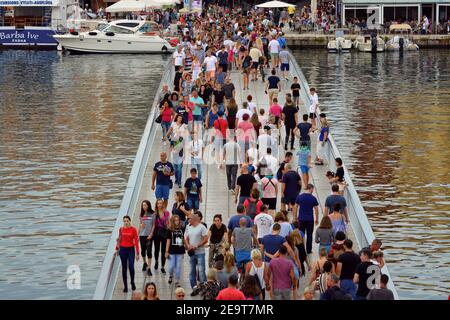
<point x="27" y="3"/>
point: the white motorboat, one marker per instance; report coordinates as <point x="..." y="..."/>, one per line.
<point x="121" y="36"/>
<point x="339" y="44"/>
<point x="401" y="39"/>
<point x="364" y="43"/>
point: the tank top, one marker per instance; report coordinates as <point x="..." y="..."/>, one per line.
<point x="259" y="272"/>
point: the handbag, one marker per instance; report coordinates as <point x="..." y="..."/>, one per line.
<point x="158" y="119"/>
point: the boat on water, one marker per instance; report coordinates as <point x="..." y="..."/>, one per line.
<point x="339" y="43"/>
<point x="402" y="38"/>
<point x="120" y="36"/>
<point x="365" y="43"/>
<point x="31" y="24"/>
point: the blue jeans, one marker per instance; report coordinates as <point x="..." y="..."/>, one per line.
<point x="127" y="256"/>
<point x="242" y="199"/>
<point x="349" y="287"/>
<point x="175" y="262"/>
<point x="197" y="259"/>
<point x="193" y="203"/>
<point x="165" y="127"/>
<point x="162" y="192"/>
<point x="178" y="168"/>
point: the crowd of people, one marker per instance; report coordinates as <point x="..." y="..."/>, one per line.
<point x="266" y="247"/>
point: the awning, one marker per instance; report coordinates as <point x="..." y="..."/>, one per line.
<point x="275" y="4"/>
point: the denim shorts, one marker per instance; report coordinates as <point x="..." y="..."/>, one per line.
<point x="198" y="118"/>
<point x="285" y="67"/>
<point x="305" y="169"/>
<point x="162" y="191"/>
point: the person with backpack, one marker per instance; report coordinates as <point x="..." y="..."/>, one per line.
<point x="321" y="267"/>
<point x="259" y="270"/>
<point x="269" y="187"/>
<point x="281" y="170"/>
<point x="243" y="240"/>
<point x="253" y="204"/>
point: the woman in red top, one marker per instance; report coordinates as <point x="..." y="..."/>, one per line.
<point x="167" y="114"/>
<point x="128" y="248"/>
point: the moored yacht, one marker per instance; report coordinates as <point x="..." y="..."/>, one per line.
<point x="339" y="44"/>
<point x="121" y="36"/>
<point x="401" y="40"/>
<point x="364" y="43"/>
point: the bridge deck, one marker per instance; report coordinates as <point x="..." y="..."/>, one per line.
<point x="217" y="199"/>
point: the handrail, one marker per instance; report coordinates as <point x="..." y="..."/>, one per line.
<point x="358" y="218"/>
<point x="110" y="268"/>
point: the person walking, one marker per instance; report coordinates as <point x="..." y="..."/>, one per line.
<point x="346" y="268"/>
<point x="291" y="185"/>
<point x="295" y="89"/>
<point x="270" y="192"/>
<point x="338" y="220"/>
<point x="382" y="293"/>
<point x="335" y="198"/>
<point x="334" y="292"/>
<point x="365" y="270"/>
<point x="304" y="162"/>
<point x="324" y="234"/>
<point x="193" y="190"/>
<point x="289" y="117"/>
<point x="181" y="208"/>
<point x="162" y="171"/>
<point x="284" y="61"/>
<point x="303" y="130"/>
<point x="282" y="277"/>
<point x="167" y="115"/>
<point x="150" y="292"/>
<point x="253" y="204"/>
<point x="245" y="183"/>
<point x="231" y="159"/>
<point x="146" y="232"/>
<point x="231" y="292"/>
<point x="216" y="235"/>
<point x="323" y="139"/>
<point x="210" y="289"/>
<point x="273" y="86"/>
<point x="307" y="207"/>
<point x="196" y="150"/>
<point x="160" y="237"/>
<point x="175" y="248"/>
<point x="260" y="271"/>
<point x="196" y="236"/>
<point x="128" y="249"/>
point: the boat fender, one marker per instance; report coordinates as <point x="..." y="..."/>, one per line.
<point x="92" y="33"/>
<point x="110" y="34"/>
<point x="401" y="43"/>
<point x="74" y="33"/>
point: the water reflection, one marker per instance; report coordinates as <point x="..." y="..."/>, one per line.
<point x="389" y="117"/>
<point x="70" y="129"/>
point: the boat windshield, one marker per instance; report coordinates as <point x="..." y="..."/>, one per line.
<point x="149" y="27"/>
<point x="117" y="30"/>
<point x="102" y="26"/>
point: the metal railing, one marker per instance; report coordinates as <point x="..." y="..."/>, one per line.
<point x="130" y="202"/>
<point x="360" y="224"/>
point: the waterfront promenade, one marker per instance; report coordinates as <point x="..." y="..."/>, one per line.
<point x="217" y="199"/>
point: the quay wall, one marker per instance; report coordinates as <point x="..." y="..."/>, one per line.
<point x="320" y="41"/>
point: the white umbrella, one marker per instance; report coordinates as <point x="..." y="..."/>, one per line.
<point x="126" y="6"/>
<point x="275" y="4"/>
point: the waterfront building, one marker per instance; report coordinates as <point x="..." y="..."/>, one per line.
<point x="388" y="11"/>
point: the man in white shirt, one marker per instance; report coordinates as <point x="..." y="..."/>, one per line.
<point x="178" y="58"/>
<point x="263" y="222"/>
<point x="314" y="103"/>
<point x="270" y="160"/>
<point x="196" y="149"/>
<point x="274" y="49"/>
<point x="243" y="111"/>
<point x="251" y="105"/>
<point x="211" y="65"/>
<point x="266" y="140"/>
<point x="232" y="154"/>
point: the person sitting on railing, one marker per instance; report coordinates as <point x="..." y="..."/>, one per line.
<point x="323" y="139"/>
<point x="338" y="176"/>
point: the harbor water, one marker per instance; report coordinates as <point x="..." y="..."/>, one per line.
<point x="389" y="117"/>
<point x="71" y="126"/>
<point x="69" y="131"/>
